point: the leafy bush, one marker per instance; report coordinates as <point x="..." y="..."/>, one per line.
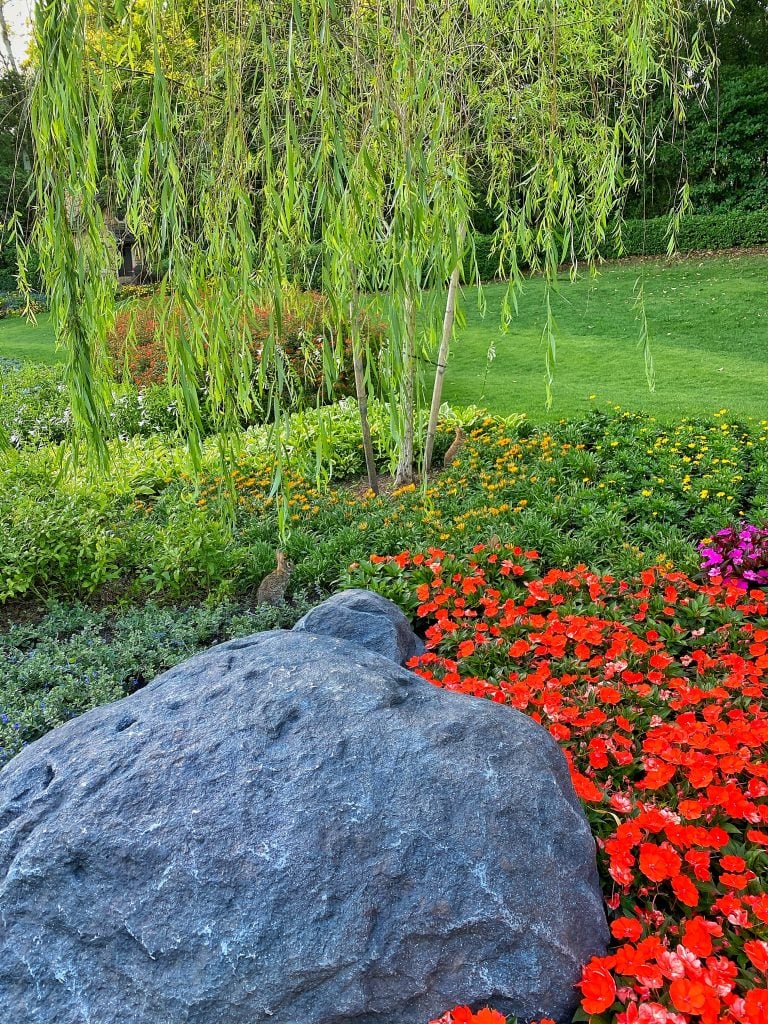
<point x="34" y="407"/>
<point x="12" y="303"/>
<point x="136" y="344"/>
<point x="723" y="148"/>
<point x="611" y="490"/>
<point x="697" y="232"/>
<point x="33" y="404"/>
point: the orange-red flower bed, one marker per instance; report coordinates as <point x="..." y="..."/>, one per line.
<point x="656" y="690"/>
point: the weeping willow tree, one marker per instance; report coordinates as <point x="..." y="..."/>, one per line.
<point x="351" y="127"/>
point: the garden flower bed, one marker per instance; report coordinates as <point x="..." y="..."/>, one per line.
<point x="655" y="688"/>
<point x="653" y="684"/>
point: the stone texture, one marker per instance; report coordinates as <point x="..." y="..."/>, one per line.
<point x="365" y="618"/>
<point x="292" y="828"/>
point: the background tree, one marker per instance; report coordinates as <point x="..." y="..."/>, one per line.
<point x="720" y="149"/>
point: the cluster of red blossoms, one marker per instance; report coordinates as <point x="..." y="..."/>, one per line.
<point x="656" y="690"/>
<point x="463" y="1015"/>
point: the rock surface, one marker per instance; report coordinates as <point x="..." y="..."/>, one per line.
<point x="292" y="828"/>
<point x="365" y="618"/>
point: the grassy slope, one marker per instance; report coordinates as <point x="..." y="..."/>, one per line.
<point x="21" y="340"/>
<point x="708" y="322"/>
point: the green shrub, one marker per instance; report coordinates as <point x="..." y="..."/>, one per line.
<point x="698" y="232"/>
<point x="136" y="345"/>
<point x="723" y="148"/>
<point x="729" y="230"/>
<point x="13" y="303"/>
<point x="610" y="489"/>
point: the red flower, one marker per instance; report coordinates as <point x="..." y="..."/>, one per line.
<point x="598" y="989"/>
<point x="626" y="928"/>
<point x="488" y="1016"/>
<point x="690" y="995"/>
<point x="685" y="890"/>
<point x="697" y="935"/>
<point x="756" y="1006"/>
<point x="659" y="862"/>
<point x="757" y="951"/>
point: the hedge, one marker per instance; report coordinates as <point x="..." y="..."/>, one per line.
<point x="731" y="230"/>
<point x="649" y="238"/>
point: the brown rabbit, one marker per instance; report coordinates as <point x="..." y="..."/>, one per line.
<point x="456" y="445"/>
<point x="272" y="587"/>
<point x="494" y="544"/>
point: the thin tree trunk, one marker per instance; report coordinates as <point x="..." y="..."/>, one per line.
<point x="405" y="466"/>
<point x="362" y="399"/>
<point x="442" y="358"/>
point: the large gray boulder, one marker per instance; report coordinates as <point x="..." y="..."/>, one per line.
<point x="365" y="618"/>
<point x="292" y="828"/>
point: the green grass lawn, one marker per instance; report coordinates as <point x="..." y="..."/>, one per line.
<point x="708" y="322"/>
<point x="25" y="341"/>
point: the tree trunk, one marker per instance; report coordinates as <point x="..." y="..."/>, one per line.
<point x="442" y="358"/>
<point x="362" y="399"/>
<point x="405" y="465"/>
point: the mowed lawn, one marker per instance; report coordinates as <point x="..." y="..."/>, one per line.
<point x="707" y="318"/>
<point x="708" y="324"/>
<point x="27" y="341"/>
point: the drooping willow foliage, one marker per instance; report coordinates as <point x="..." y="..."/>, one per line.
<point x="268" y="134"/>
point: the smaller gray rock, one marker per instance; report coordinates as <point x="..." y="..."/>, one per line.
<point x="367" y="619"/>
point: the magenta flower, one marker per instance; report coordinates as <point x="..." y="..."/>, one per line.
<point x="737" y="553"/>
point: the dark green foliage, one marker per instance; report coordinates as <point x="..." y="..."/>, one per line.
<point x="726" y="229"/>
<point x="743" y="39"/>
<point x="698" y="232"/>
<point x="720" y="151"/>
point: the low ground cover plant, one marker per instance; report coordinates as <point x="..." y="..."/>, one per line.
<point x="655" y="688"/>
<point x="74" y="657"/>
